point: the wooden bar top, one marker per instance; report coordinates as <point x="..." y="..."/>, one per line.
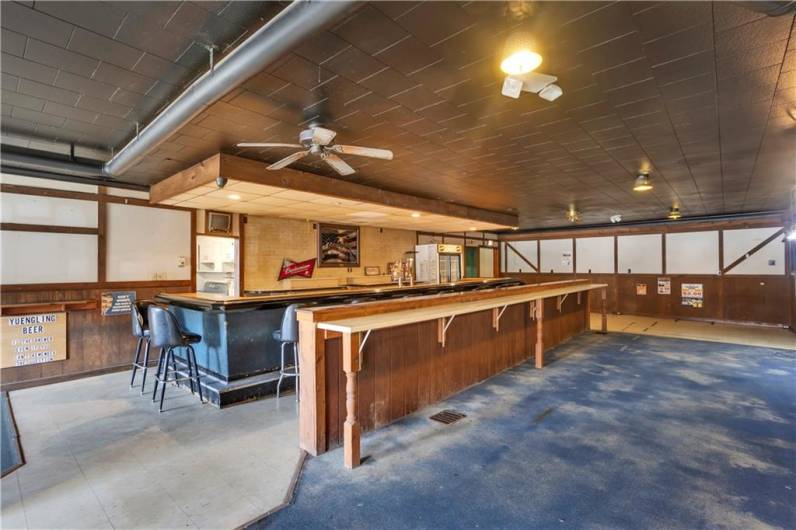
<point x="220" y="300"/>
<point x="508" y="296"/>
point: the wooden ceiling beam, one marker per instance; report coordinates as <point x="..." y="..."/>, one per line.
<point x="247" y="170"/>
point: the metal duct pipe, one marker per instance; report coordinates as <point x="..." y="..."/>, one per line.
<point x="50" y="165"/>
<point x="772" y="8"/>
<point x="42" y="166"/>
<point x="289" y="28"/>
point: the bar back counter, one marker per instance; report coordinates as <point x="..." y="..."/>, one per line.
<point x="364" y="366"/>
<point x="238" y="355"/>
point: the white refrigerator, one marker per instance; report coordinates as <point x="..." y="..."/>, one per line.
<point x="435" y="263"/>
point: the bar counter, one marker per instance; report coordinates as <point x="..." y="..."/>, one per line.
<point x="238" y="357"/>
<point x="367" y="365"/>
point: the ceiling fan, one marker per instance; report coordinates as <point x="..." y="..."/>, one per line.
<point x="318" y="141"/>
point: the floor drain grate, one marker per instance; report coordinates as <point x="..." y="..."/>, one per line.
<point x="448" y="416"/>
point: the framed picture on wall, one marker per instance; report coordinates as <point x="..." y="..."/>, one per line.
<point x="338" y="245"/>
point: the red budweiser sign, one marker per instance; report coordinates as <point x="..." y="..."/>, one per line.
<point x="297" y="268"/>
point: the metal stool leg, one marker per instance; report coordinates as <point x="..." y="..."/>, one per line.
<point x="192" y="353"/>
<point x="281" y="370"/>
<point x="189" y="362"/>
<point x="158" y="372"/>
<point x="169" y="362"/>
<point x="146" y="365"/>
<point x="135" y="361"/>
<point x="296" y="367"/>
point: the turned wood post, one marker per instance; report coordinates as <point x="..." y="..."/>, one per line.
<point x="539" y="315"/>
<point x="603" y="311"/>
<point x="351" y="432"/>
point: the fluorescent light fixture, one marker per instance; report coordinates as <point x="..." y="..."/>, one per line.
<point x="521" y="62"/>
<point x="642" y="183"/>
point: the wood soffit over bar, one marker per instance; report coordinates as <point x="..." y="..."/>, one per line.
<point x="247" y="170"/>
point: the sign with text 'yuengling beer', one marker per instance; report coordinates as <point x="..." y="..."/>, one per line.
<point x="33" y="339"/>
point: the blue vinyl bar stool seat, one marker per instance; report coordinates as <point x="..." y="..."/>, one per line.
<point x="140" y="322"/>
<point x="165" y="333"/>
<point x="288" y="334"/>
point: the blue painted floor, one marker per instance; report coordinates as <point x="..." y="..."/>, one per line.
<point x="621" y="431"/>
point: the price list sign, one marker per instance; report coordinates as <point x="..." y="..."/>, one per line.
<point x="33" y="339"/>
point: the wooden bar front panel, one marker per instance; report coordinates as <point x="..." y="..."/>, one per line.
<point x="406" y="368"/>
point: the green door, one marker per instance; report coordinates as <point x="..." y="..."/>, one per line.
<point x="471" y="262"/>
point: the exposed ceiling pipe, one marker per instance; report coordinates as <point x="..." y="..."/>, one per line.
<point x="281" y="34"/>
<point x="772" y="8"/>
<point x="33" y="164"/>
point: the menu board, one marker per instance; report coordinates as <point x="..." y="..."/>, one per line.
<point x="33" y="339"/>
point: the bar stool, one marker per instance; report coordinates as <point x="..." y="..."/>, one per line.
<point x="138" y="313"/>
<point x="288" y="334"/>
<point x="166" y="334"/>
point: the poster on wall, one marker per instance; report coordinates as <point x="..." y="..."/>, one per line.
<point x="338" y="246"/>
<point x="303" y="269"/>
<point x="33" y="339"/>
<point x="113" y="303"/>
<point x="664" y="286"/>
<point x="692" y="294"/>
<point x="641" y="289"/>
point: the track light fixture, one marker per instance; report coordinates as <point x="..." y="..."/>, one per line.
<point x="643" y="182"/>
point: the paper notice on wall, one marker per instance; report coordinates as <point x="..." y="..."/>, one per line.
<point x="664" y="286"/>
<point x="566" y="259"/>
<point x="692" y="294"/>
<point x="641" y="289"/>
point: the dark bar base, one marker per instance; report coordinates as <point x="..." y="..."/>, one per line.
<point x="223" y="394"/>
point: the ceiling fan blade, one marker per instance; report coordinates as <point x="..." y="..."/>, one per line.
<point x="322" y="136"/>
<point x="288" y="160"/>
<point x="372" y="152"/>
<point x="338" y="164"/>
<point x="250" y="144"/>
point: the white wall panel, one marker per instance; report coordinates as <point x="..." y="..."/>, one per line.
<point x="594" y="254"/>
<point x="640" y="254"/>
<point x="40" y="257"/>
<point x="556" y="255"/>
<point x="768" y="260"/>
<point x="36" y="182"/>
<point x="692" y="252"/>
<point x="147" y="243"/>
<point x="123" y="192"/>
<point x="528" y="250"/>
<point x="51" y="211"/>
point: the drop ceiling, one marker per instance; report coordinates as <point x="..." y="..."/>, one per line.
<point x="700" y="94"/>
<point x="271" y="201"/>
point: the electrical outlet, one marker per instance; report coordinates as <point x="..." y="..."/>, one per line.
<point x="181" y="261"/>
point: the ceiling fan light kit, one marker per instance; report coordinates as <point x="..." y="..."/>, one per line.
<point x="318" y="141"/>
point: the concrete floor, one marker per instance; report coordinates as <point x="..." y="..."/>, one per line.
<point x="619" y="431"/>
<point x="693" y="329"/>
<point x="101" y="456"/>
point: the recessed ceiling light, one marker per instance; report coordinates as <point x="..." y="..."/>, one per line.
<point x="233" y="196"/>
<point x="643" y="182"/>
<point x="415" y="214"/>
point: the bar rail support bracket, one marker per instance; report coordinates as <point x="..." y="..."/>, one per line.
<point x="442" y="328"/>
<point x="496" y="314"/>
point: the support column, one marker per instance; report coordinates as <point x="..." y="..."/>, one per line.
<point x="312" y="390"/>
<point x="351" y="431"/>
<point x="539" y="316"/>
<point x="603" y="311"/>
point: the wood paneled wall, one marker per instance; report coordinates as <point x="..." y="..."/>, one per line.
<point x="96" y="344"/>
<point x="405" y="369"/>
<point x="749" y="299"/>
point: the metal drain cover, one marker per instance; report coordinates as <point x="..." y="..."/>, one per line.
<point x="448" y="416"/>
